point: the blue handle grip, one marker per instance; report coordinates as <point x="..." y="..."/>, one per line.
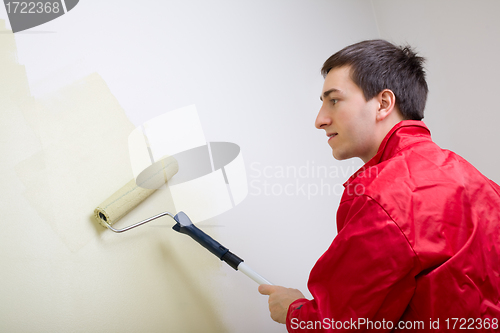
<point x="185" y="226"/>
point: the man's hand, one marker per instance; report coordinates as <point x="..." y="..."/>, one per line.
<point x="280" y="299"/>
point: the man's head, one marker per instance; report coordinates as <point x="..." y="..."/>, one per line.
<point x="377" y="65"/>
<point x="369" y="87"/>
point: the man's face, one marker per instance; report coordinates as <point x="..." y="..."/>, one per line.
<point x="347" y="116"/>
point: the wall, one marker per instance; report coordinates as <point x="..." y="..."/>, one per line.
<point x="73" y="88"/>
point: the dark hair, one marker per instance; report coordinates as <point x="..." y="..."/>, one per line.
<point x="377" y="65"/>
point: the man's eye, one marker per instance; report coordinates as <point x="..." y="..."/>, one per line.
<point x="334" y="101"/>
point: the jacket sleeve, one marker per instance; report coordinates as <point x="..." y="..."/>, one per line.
<point x="365" y="279"/>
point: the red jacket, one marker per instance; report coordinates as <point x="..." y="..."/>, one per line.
<point x="418" y="241"/>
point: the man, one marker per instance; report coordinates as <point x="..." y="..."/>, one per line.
<point x="418" y="244"/>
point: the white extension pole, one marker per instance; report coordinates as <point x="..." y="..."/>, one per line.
<point x="252" y="274"/>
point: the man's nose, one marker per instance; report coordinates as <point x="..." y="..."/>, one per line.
<point x="322" y="119"/>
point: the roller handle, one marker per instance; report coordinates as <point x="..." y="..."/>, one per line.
<point x="185" y="226"/>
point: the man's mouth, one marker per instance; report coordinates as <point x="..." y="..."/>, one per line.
<point x="332" y="135"/>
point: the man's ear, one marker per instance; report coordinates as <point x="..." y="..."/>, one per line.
<point x="387" y="104"/>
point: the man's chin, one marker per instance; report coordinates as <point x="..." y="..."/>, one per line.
<point x="339" y="156"/>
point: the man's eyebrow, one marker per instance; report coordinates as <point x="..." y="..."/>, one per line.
<point x="328" y="92"/>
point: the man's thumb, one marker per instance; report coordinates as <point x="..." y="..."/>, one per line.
<point x="265" y="289"/>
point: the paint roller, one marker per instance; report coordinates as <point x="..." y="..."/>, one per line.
<point x="137" y="190"/>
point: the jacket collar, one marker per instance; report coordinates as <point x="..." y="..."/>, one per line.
<point x="403" y="134"/>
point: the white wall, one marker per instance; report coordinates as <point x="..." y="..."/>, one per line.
<point x="252" y="69"/>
